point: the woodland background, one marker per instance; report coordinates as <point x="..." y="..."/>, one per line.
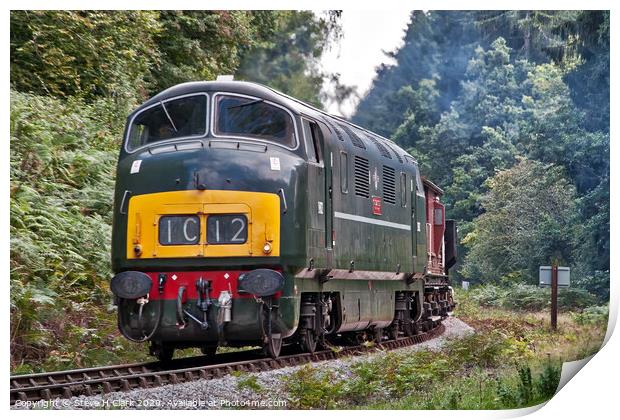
<point x="507" y="111"/>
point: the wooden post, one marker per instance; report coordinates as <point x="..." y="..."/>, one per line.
<point x="554" y="296"/>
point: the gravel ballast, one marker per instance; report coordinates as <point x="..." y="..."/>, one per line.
<point x="266" y="390"/>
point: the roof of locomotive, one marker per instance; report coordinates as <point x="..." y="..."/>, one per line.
<point x="264" y="92"/>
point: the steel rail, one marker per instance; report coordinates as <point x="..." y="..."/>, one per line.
<point x="123" y="378"/>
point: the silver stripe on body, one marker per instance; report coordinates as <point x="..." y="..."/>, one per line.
<point x="356" y="218"/>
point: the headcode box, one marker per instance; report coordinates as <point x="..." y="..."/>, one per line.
<point x="544" y="276"/>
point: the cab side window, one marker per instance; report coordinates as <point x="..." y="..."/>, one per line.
<point x="312" y="136"/>
<point x="344" y="172"/>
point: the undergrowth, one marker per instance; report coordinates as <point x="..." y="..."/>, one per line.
<point x="512" y="360"/>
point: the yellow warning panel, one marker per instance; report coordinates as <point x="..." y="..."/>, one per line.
<point x="199" y="224"/>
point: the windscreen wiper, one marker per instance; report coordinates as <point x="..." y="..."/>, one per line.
<point x="246" y="104"/>
<point x="174" y="127"/>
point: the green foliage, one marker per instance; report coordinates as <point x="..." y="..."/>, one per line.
<point x="249" y="382"/>
<point x="437" y="47"/>
<point x="470" y="372"/>
<point x="135" y="54"/>
<point x="287" y="59"/>
<point x="309" y="387"/>
<point x="511" y="361"/>
<point x="549" y="379"/>
<point x="593" y="315"/>
<point x="477" y="92"/>
<point x="528" y="390"/>
<point x="525" y="387"/>
<point x="523" y="297"/>
<point x="83" y="53"/>
<point x="527" y="297"/>
<point x="574" y="298"/>
<point x="200" y="45"/>
<point x="62" y="176"/>
<point x="487" y="350"/>
<point x="597" y="284"/>
<point x="527" y="219"/>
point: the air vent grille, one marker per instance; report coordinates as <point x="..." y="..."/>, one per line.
<point x="382" y="149"/>
<point x="355" y="139"/>
<point x="411" y="160"/>
<point x="362" y="177"/>
<point x="395" y="153"/>
<point x="338" y="131"/>
<point x="389" y="185"/>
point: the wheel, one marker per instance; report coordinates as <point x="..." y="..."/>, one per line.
<point x="378" y="335"/>
<point x="308" y="341"/>
<point x="162" y="351"/>
<point x="273" y="346"/>
<point x="209" y="350"/>
<point x="408" y="328"/>
<point x="392" y="331"/>
<point x="273" y="339"/>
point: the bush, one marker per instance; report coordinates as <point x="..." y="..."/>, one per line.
<point x="573" y="298"/>
<point x="592" y="315"/>
<point x="308" y="387"/>
<point x="527" y="390"/>
<point x="83" y="53"/>
<point x="530" y="298"/>
<point x="597" y="284"/>
<point x="488" y="295"/>
<point x="526" y="297"/>
<point x="487" y="350"/>
<point x="548" y="380"/>
<point x="63" y="158"/>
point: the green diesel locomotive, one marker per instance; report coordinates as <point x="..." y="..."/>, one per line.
<point x="244" y="217"/>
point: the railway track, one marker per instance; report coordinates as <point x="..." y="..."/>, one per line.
<point x="104" y="380"/>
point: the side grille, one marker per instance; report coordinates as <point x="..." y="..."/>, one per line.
<point x="355" y="139"/>
<point x="362" y="177"/>
<point x="389" y="185"/>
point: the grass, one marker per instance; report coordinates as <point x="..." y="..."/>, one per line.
<point x="579" y="334"/>
<point x="513" y="360"/>
<point x="249" y="382"/>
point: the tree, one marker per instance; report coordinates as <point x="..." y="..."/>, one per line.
<point x="200" y="45"/>
<point x="287" y="57"/>
<point x="135" y="54"/>
<point x="83" y="53"/>
<point x="509" y="109"/>
<point x="437" y="46"/>
<point x="528" y="219"/>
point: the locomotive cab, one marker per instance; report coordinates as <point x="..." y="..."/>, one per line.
<point x="206" y="180"/>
